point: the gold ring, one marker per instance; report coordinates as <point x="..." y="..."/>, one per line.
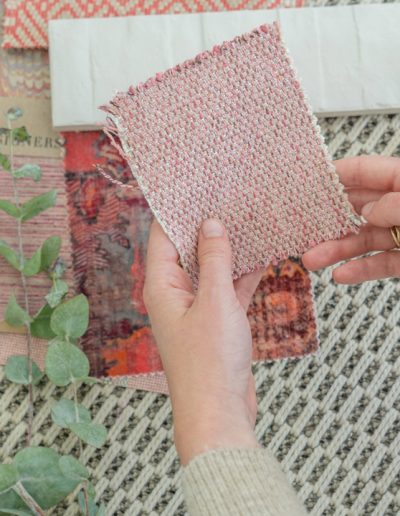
<point x="395" y="230"/>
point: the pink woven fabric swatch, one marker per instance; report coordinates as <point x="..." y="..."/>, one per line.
<point x="230" y="135"/>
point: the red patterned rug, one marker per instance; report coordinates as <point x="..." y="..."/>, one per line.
<point x="25" y="24"/>
<point x="109" y="230"/>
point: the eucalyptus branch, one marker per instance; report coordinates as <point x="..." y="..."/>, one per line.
<point x="24" y="288"/>
<point x="64" y="322"/>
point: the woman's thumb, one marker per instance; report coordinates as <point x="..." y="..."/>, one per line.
<point x="385" y="212"/>
<point x="215" y="260"/>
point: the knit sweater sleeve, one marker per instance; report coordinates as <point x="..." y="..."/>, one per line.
<point x="237" y="482"/>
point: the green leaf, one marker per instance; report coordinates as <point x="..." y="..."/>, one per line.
<point x="43" y="258"/>
<point x="50" y="251"/>
<point x="57" y="340"/>
<point x="20" y="134"/>
<point x="90" y="380"/>
<point x="38" y="204"/>
<point x="65" y="363"/>
<point x="14" y="113"/>
<point x="90" y="489"/>
<point x="9" y="254"/>
<point x="16" y="512"/>
<point x="93" y="510"/>
<point x="91" y="433"/>
<point x="102" y="510"/>
<point x="41" y="476"/>
<point x="5" y="162"/>
<point x="72" y="468"/>
<point x="11" y="503"/>
<point x="58" y="291"/>
<point x="15" y="315"/>
<point x="17" y="370"/>
<point x="71" y="318"/>
<point x="59" y="268"/>
<point x="64" y="413"/>
<point x="40" y="327"/>
<point x="28" y="170"/>
<point x="32" y="265"/>
<point x="8" y="476"/>
<point x="10" y="208"/>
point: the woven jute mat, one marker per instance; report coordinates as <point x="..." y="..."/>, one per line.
<point x="332" y="420"/>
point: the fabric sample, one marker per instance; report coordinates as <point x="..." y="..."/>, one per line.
<point x="109" y="231"/>
<point x="26" y="21"/>
<point x="230" y="135"/>
<point x="23" y="74"/>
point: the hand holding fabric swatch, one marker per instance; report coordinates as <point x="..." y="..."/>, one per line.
<point x="230" y="135"/>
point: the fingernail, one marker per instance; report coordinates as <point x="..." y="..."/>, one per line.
<point x="367" y="209"/>
<point x="212" y="228"/>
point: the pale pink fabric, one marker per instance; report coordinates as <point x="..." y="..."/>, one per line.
<point x="230" y="135"/>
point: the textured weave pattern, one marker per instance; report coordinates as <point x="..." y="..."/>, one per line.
<point x="230" y="135"/>
<point x="26" y="21"/>
<point x="24" y="74"/>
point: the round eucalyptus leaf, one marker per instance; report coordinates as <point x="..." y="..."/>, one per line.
<point x="58" y="291"/>
<point x="8" y="476"/>
<point x="10" y="208"/>
<point x="42" y="477"/>
<point x="65" y="363"/>
<point x="28" y="170"/>
<point x="91" y="433"/>
<point x="4" y="161"/>
<point x="14" y="113"/>
<point x="59" y="268"/>
<point x="40" y="327"/>
<point x="9" y="254"/>
<point x="71" y="318"/>
<point x="72" y="468"/>
<point x="12" y="503"/>
<point x="37" y="204"/>
<point x="32" y="265"/>
<point x="15" y="315"/>
<point x="64" y="413"/>
<point x="17" y="370"/>
<point x="50" y="251"/>
<point x="91" y="504"/>
<point x="20" y="134"/>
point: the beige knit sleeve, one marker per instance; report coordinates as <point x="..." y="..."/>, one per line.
<point x="238" y="482"/>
